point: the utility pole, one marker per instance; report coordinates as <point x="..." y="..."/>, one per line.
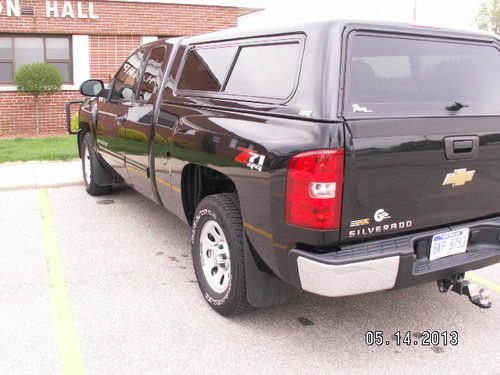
<point x="414" y="10"/>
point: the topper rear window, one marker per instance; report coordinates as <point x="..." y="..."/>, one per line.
<point x="403" y="76"/>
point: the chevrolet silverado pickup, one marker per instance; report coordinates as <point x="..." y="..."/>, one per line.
<point x="339" y="157"/>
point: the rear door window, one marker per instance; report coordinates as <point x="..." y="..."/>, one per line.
<point x="153" y="74"/>
<point x="401" y="76"/>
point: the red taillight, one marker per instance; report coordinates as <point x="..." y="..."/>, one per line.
<point x="314" y="189"/>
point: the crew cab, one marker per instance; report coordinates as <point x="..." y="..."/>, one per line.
<point x="339" y="157"/>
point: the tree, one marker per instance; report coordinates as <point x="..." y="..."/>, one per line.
<point x="488" y="17"/>
<point x="38" y="79"/>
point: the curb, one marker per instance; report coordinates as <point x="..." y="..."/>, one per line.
<point x="41" y="186"/>
<point x="36" y="162"/>
<point x="40" y="175"/>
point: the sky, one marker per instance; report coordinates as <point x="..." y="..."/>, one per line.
<point x="447" y="13"/>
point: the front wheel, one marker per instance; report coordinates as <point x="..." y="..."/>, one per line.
<point x="88" y="168"/>
<point x="218" y="255"/>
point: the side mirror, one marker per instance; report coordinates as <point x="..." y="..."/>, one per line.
<point x="91" y="87"/>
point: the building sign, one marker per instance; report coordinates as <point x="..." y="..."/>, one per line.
<point x="53" y="9"/>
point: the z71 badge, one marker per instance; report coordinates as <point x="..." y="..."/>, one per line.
<point x="250" y="158"/>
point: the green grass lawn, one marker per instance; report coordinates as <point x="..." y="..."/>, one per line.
<point x="49" y="148"/>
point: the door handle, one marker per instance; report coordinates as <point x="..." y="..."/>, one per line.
<point x="120" y="119"/>
<point x="461" y="147"/>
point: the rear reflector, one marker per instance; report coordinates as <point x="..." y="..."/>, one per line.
<point x="314" y="189"/>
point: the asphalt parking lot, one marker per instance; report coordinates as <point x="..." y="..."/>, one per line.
<point x="105" y="286"/>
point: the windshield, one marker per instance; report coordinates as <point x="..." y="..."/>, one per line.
<point x="387" y="75"/>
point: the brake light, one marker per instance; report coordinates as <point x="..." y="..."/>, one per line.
<point x="314" y="189"/>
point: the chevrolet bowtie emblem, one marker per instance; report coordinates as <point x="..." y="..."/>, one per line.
<point x="459" y="177"/>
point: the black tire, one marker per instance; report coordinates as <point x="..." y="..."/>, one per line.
<point x="224" y="210"/>
<point x="90" y="157"/>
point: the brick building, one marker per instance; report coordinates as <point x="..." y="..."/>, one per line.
<point x="86" y="39"/>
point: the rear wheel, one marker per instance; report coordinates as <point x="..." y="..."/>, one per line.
<point x="217" y="250"/>
<point x="88" y="168"/>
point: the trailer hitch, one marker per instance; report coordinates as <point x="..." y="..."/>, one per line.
<point x="478" y="294"/>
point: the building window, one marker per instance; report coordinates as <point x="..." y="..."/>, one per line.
<point x="16" y="51"/>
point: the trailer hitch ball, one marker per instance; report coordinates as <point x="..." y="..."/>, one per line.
<point x="485" y="293"/>
<point x="477" y="294"/>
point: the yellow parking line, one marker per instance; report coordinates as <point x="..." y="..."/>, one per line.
<point x="263" y="233"/>
<point x="483" y="280"/>
<point x="173" y="187"/>
<point x="136" y="171"/>
<point x="68" y="342"/>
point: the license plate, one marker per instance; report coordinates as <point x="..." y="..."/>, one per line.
<point x="449" y="243"/>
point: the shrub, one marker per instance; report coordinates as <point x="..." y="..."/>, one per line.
<point x="132" y="134"/>
<point x="159" y="140"/>
<point x="38" y="79"/>
<point x="184" y="144"/>
<point x="75" y="123"/>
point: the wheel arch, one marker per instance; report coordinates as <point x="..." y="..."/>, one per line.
<point x="198" y="182"/>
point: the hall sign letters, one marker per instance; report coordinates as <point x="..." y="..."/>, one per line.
<point x="53" y="9"/>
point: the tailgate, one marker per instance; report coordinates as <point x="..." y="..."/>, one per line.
<point x="398" y="178"/>
<point x="423" y="134"/>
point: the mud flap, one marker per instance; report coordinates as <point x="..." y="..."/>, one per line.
<point x="79" y="138"/>
<point x="263" y="289"/>
<point x="104" y="175"/>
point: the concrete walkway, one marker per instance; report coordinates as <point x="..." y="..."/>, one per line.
<point x="40" y="174"/>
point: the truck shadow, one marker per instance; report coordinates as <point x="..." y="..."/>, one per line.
<point x="304" y="316"/>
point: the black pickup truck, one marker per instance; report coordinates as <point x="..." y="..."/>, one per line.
<point x="338" y="157"/>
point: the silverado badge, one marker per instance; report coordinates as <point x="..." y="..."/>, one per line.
<point x="459" y="177"/>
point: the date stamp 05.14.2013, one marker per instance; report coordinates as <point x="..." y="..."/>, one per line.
<point x="408" y="338"/>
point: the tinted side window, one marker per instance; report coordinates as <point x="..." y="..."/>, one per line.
<point x="266" y="71"/>
<point x="153" y="74"/>
<point x="206" y="69"/>
<point x="388" y="75"/>
<point x="126" y="80"/>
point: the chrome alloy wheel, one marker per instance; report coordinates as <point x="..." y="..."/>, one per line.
<point x="86" y="166"/>
<point x="214" y="255"/>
